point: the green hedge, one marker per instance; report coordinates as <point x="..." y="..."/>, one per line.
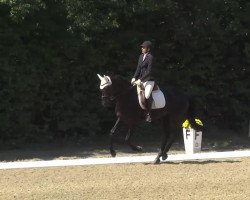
<point x="50" y="52"/>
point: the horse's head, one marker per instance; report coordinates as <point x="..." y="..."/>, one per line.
<point x="108" y="91"/>
<point x="112" y="88"/>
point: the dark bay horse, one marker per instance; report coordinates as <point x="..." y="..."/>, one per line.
<point x="118" y="92"/>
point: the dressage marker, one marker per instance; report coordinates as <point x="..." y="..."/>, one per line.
<point x="120" y="160"/>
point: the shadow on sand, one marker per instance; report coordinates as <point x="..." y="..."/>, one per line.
<point x="99" y="147"/>
<point x="86" y="149"/>
<point x="196" y="162"/>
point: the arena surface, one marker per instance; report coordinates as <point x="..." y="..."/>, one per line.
<point x="201" y="179"/>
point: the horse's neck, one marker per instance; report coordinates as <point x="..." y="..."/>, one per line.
<point x="126" y="95"/>
<point x="122" y="86"/>
<point x="127" y="101"/>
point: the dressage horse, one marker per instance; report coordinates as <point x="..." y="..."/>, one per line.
<point x="118" y="92"/>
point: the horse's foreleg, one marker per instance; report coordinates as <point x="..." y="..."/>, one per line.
<point x="112" y="133"/>
<point x="111" y="147"/>
<point x="128" y="140"/>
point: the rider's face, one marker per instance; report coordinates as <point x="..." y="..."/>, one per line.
<point x="144" y="50"/>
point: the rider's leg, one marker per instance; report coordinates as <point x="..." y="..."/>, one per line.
<point x="149" y="85"/>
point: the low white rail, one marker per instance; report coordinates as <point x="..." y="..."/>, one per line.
<point x="118" y="160"/>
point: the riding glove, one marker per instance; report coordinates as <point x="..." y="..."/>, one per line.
<point x="138" y="82"/>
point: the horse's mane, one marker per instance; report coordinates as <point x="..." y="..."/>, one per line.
<point x="120" y="80"/>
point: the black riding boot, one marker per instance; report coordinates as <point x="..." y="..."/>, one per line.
<point x="148" y="108"/>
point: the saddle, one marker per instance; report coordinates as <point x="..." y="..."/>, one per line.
<point x="157" y="96"/>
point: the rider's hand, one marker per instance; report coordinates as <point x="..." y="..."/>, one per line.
<point x="133" y="81"/>
<point x="138" y="82"/>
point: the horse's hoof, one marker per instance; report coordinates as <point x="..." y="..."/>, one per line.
<point x="137" y="148"/>
<point x="157" y="161"/>
<point x="164" y="157"/>
<point x="113" y="153"/>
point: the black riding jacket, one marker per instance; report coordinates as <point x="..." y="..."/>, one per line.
<point x="143" y="71"/>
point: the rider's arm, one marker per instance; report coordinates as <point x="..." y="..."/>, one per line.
<point x="137" y="72"/>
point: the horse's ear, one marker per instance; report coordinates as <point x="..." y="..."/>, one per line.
<point x="107" y="78"/>
<point x="100" y="77"/>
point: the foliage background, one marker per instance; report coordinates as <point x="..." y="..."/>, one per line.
<point x="51" y="50"/>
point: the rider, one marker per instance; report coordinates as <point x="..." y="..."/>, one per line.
<point x="143" y="75"/>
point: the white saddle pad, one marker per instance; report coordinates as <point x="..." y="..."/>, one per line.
<point x="158" y="99"/>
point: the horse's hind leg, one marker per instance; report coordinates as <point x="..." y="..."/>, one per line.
<point x="166" y="126"/>
<point x="172" y="137"/>
<point x="168" y="146"/>
<point x="128" y="140"/>
<point x="168" y="139"/>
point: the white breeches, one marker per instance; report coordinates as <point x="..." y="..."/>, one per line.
<point x="149" y="85"/>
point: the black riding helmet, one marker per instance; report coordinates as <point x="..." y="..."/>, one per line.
<point x="146" y="44"/>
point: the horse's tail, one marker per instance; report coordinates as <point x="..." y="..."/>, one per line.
<point x="191" y="114"/>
